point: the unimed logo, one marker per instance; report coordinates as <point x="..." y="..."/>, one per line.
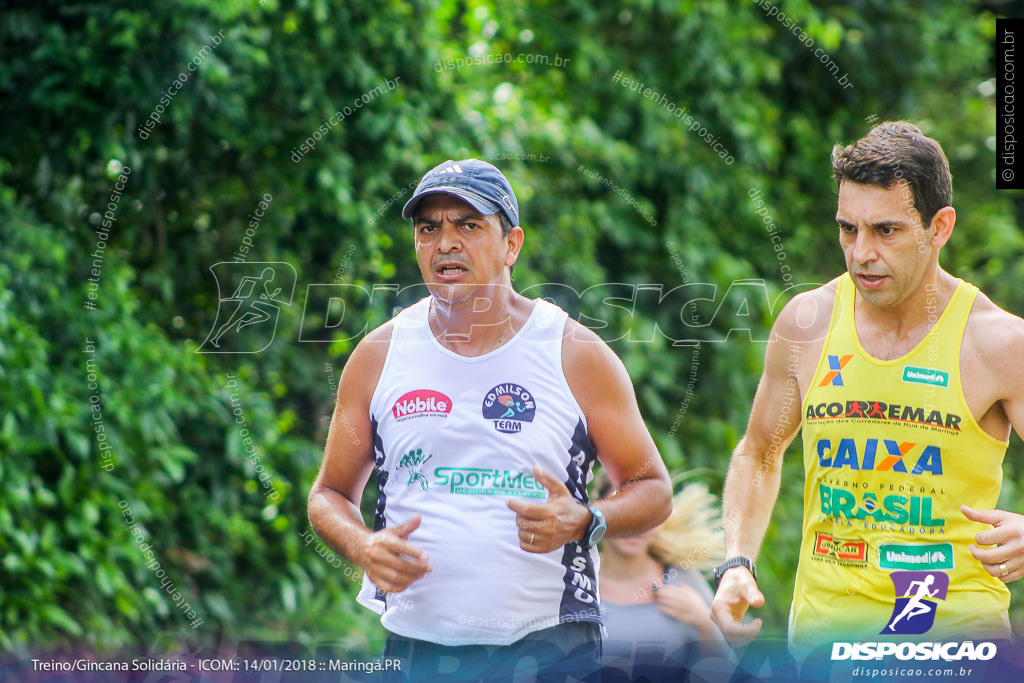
<point x="420" y="403"/>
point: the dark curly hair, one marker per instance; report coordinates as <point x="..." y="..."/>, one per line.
<point x="898" y="152"/>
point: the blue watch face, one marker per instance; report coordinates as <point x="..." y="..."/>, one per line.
<point x="598" y="526"/>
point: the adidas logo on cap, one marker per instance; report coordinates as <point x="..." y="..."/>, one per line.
<point x="452" y="169"/>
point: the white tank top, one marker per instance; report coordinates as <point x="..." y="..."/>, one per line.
<point x="457" y="437"/>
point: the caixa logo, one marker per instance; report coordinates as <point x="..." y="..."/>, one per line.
<point x="421" y="403"/>
<point x="847" y="455"/>
<point x="949" y="652"/>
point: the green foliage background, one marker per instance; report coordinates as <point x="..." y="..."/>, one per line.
<point x="77" y="79"/>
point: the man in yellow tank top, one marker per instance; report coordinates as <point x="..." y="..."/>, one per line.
<point x="906" y="382"/>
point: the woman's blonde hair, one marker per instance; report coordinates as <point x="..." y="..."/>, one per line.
<point x="693" y="536"/>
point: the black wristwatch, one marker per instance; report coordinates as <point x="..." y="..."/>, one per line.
<point x="737" y="561"/>
<point x="595" y="530"/>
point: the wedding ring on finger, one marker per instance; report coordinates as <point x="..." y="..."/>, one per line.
<point x="1003" y="571"/>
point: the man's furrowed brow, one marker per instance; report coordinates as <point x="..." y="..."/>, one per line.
<point x="462" y="218"/>
<point x="889" y="223"/>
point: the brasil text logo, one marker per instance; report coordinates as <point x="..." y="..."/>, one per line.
<point x="835" y="365"/>
<point x="509" y="405"/>
<point x="917" y="594"/>
<point x="843" y="504"/>
<point x="421" y="403"/>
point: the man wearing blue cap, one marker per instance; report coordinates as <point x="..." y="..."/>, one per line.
<point x="482" y="412"/>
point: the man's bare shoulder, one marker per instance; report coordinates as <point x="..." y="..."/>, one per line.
<point x="594" y="373"/>
<point x="381" y="333"/>
<point x="806" y="317"/>
<point x="582" y="347"/>
<point x="366" y="363"/>
<point x="995" y="336"/>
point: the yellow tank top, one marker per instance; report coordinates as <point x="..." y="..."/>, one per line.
<point x="891" y="451"/>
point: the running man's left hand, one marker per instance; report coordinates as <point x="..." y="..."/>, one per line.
<point x="544" y="527"/>
<point x="1006" y="560"/>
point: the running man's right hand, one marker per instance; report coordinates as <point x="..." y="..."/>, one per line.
<point x="391" y="562"/>
<point x="737" y="592"/>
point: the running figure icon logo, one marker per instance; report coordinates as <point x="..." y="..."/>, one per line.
<point x="414" y="462"/>
<point x="916" y="596"/>
<point x="247" y="317"/>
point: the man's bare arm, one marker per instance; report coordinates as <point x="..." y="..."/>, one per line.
<point x="997" y="338"/>
<point x="752" y="483"/>
<point x="643" y="497"/>
<point x="391" y="562"/>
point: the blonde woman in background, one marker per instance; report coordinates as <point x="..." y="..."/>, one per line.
<point x="656" y="602"/>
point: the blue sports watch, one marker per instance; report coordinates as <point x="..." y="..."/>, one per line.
<point x="595" y="530"/>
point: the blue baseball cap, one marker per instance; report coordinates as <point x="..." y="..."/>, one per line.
<point x="476" y="182"/>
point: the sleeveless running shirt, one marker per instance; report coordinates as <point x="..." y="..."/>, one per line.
<point x="457" y="437"/>
<point x="891" y="451"/>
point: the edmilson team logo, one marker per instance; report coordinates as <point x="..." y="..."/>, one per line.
<point x="509" y="406"/>
<point x="421" y="403"/>
<point x="917" y="594"/>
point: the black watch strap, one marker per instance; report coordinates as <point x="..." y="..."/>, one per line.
<point x="738" y="561"/>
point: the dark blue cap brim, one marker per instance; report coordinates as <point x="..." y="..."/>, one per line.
<point x="484" y="206"/>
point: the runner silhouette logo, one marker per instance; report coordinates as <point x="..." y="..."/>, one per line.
<point x="917" y="594"/>
<point x="249" y="303"/>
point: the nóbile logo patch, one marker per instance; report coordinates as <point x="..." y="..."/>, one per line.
<point x="421" y="403"/>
